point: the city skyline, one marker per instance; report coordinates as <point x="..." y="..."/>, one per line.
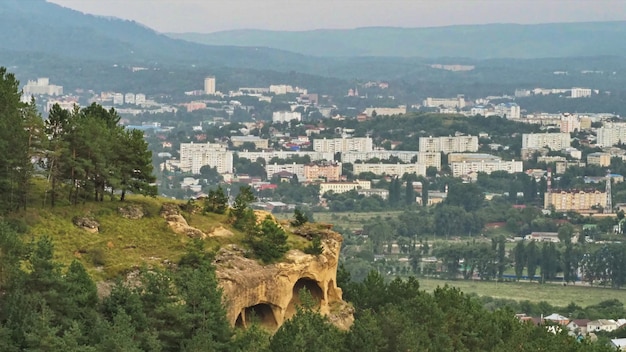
<point x="220" y="15"/>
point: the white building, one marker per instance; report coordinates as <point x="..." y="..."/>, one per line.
<point x="554" y="141"/>
<point x="508" y="110"/>
<point x="42" y="86"/>
<point x="118" y="99"/>
<point x="430" y="159"/>
<point x="581" y="92"/>
<point x="140" y="99"/>
<point x="129" y="98"/>
<point x="286" y="116"/>
<point x="342" y="145"/>
<point x="464" y="168"/>
<point x="390" y="169"/>
<point x="450" y="103"/>
<point x="404" y="156"/>
<point x="280" y="89"/>
<point x="400" y="110"/>
<point x="281" y="154"/>
<point x="209" y="85"/>
<point x="448" y="144"/>
<point x="611" y="134"/>
<point x="193" y="156"/>
<point x="343" y="187"/>
<point x="297" y="169"/>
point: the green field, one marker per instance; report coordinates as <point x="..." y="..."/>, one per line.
<point x="350" y="220"/>
<point x="554" y="294"/>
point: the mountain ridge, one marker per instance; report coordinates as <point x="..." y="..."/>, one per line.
<point x="484" y="41"/>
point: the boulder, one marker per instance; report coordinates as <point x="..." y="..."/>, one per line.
<point x="87" y="223"/>
<point x="132" y="212"/>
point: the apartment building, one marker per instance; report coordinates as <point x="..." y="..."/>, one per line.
<point x="296" y="169"/>
<point x="342" y="145"/>
<point x="404" y="156"/>
<point x="282" y="154"/>
<point x="570" y="123"/>
<point x="193" y="156"/>
<point x="562" y="166"/>
<point x="466" y="167"/>
<point x="554" y="141"/>
<point x="343" y="187"/>
<point x="42" y="86"/>
<point x="471" y="157"/>
<point x="259" y="143"/>
<point x="450" y="103"/>
<point x="448" y="145"/>
<point x="600" y="159"/>
<point x="575" y="200"/>
<point x="581" y="92"/>
<point x="400" y="110"/>
<point x="329" y="171"/>
<point x="508" y="110"/>
<point x="390" y="169"/>
<point x="611" y="134"/>
<point x="209" y="85"/>
<point x="429" y="159"/>
<point x="286" y="116"/>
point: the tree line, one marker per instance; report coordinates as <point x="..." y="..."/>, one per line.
<point x="83" y="153"/>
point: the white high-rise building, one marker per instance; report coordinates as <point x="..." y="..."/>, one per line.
<point x="129" y="98"/>
<point x="570" y="123"/>
<point x="510" y="110"/>
<point x="611" y="134"/>
<point x="581" y="92"/>
<point x="194" y="156"/>
<point x="286" y="116"/>
<point x="140" y="99"/>
<point x="342" y="145"/>
<point x="42" y="86"/>
<point x="118" y="99"/>
<point x="448" y="145"/>
<point x="554" y="141"/>
<point x="209" y="85"/>
<point x="487" y="166"/>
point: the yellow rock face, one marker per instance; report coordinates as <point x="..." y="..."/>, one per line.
<point x="269" y="294"/>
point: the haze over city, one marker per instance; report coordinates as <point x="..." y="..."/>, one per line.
<point x="220" y="15"/>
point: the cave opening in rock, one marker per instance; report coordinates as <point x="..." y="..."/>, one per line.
<point x="312" y="287"/>
<point x="261" y="314"/>
<point x="239" y="322"/>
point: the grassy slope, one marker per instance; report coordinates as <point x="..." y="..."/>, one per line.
<point x="555" y="294"/>
<point x="121" y="244"/>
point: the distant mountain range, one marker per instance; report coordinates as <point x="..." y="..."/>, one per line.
<point x="468" y="41"/>
<point x="36" y="26"/>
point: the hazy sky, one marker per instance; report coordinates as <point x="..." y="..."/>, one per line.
<point x="218" y="15"/>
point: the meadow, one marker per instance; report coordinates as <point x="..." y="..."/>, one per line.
<point x="553" y="293"/>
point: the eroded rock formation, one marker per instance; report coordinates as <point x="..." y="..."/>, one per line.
<point x="270" y="293"/>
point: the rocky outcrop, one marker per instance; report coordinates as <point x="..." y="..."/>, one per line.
<point x="270" y="293"/>
<point x="132" y="212"/>
<point x="177" y="222"/>
<point x="87" y="223"/>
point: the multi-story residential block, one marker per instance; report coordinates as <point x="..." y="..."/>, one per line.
<point x="382" y="193"/>
<point x="554" y="141"/>
<point x="471" y="157"/>
<point x="600" y="159"/>
<point x="296" y="169"/>
<point x="259" y="143"/>
<point x="570" y="123"/>
<point x="404" y="156"/>
<point x="508" y="110"/>
<point x="562" y="166"/>
<point x="42" y="86"/>
<point x="448" y="145"/>
<point x="400" y="110"/>
<point x="581" y="92"/>
<point x="611" y="134"/>
<point x="390" y="169"/>
<point x="209" y="85"/>
<point x="118" y="99"/>
<point x="429" y="159"/>
<point x="193" y="156"/>
<point x="286" y="116"/>
<point x="450" y="103"/>
<point x="282" y="154"/>
<point x="464" y="168"/>
<point x="343" y="187"/>
<point x="342" y="145"/>
<point x="329" y="171"/>
<point x="574" y="200"/>
<point x="140" y="99"/>
<point x="550" y="159"/>
<point x="129" y="98"/>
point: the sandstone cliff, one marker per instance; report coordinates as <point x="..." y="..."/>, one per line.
<point x="270" y="293"/>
